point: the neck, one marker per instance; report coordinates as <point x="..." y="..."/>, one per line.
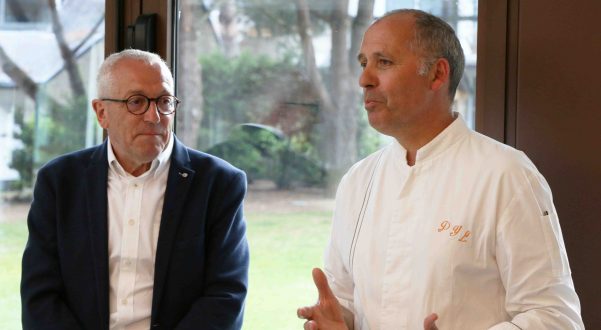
<point x="139" y="170"/>
<point x="134" y="168"/>
<point x="416" y="136"/>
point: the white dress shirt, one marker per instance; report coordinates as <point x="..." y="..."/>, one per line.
<point x="135" y="206"/>
<point x="469" y="232"/>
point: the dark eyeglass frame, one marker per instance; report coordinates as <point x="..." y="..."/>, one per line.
<point x="148" y="101"/>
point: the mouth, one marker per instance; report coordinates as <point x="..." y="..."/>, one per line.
<point x="150" y="134"/>
<point x="370" y="104"/>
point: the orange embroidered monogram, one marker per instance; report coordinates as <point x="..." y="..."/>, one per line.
<point x="456" y="231"/>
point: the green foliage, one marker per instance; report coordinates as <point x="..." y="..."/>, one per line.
<point x="22" y="159"/>
<point x="278" y="18"/>
<point x="246" y="89"/>
<point x="298" y="168"/>
<point x="254" y="153"/>
<point x="62" y="130"/>
<point x="238" y="90"/>
<point x="368" y="139"/>
<point x="58" y="132"/>
<point x="264" y="154"/>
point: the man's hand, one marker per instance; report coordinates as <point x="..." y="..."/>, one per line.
<point x="326" y="314"/>
<point x="429" y="322"/>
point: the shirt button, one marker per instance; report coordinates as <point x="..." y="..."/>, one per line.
<point x="124" y="301"/>
<point x="131" y="222"/>
<point x="135" y="185"/>
<point x="127" y="262"/>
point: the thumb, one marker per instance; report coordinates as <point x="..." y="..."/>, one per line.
<point x="321" y="282"/>
<point x="429" y="322"/>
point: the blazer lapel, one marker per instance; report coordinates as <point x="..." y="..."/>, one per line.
<point x="96" y="190"/>
<point x="179" y="180"/>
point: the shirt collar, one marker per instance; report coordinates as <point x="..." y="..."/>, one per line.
<point x="158" y="165"/>
<point x="451" y="134"/>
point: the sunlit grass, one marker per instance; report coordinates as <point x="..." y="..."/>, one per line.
<point x="12" y="241"/>
<point x="284" y="249"/>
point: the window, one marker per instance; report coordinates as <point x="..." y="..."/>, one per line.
<point x="26" y="13"/>
<point x="282" y="105"/>
<point x="45" y="111"/>
<point x="271" y="86"/>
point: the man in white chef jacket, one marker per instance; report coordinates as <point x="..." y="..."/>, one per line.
<point x="444" y="228"/>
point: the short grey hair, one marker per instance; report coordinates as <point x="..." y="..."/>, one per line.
<point x="106" y="75"/>
<point x="434" y="39"/>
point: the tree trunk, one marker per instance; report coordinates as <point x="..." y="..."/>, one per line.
<point x="75" y="81"/>
<point x="365" y="14"/>
<point x="304" y="31"/>
<point x="229" y="28"/>
<point x="189" y="116"/>
<point x="340" y="103"/>
<point x="341" y="125"/>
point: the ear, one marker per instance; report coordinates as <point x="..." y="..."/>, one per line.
<point x="440" y="74"/>
<point x="101" y="113"/>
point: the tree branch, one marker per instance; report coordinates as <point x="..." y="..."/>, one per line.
<point x="20" y="77"/>
<point x="75" y="80"/>
<point x="89" y="35"/>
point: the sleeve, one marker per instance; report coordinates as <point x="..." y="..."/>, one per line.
<point x="335" y="267"/>
<point x="222" y="304"/>
<point x="42" y="289"/>
<point x="532" y="260"/>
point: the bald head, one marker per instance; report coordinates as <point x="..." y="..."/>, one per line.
<point x="107" y="73"/>
<point x="432" y="39"/>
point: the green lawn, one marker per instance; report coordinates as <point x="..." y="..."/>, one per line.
<point x="284" y="249"/>
<point x="12" y="241"/>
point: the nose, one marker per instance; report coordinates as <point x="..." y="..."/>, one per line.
<point x="152" y="115"/>
<point x="367" y="78"/>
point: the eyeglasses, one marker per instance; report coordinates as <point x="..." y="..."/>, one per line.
<point x="139" y="104"/>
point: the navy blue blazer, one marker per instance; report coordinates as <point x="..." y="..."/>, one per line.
<point x="201" y="266"/>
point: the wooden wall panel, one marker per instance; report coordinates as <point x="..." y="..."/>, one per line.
<point x="537" y="90"/>
<point x="491" y="68"/>
<point x="558" y="124"/>
<point x="164" y="25"/>
<point x="122" y="13"/>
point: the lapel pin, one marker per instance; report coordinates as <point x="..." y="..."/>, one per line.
<point x="183" y="174"/>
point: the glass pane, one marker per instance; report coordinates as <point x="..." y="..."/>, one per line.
<point x="45" y="110"/>
<point x="272" y="87"/>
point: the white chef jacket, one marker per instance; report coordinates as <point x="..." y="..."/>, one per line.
<point x="135" y="206"/>
<point x="469" y="232"/>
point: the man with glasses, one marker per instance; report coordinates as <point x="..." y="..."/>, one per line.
<point x="139" y="232"/>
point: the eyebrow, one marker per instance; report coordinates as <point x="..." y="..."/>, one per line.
<point x="140" y="92"/>
<point x="362" y="56"/>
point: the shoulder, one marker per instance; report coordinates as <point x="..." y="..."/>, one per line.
<point x="497" y="157"/>
<point x="504" y="167"/>
<point x="216" y="176"/>
<point x="208" y="164"/>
